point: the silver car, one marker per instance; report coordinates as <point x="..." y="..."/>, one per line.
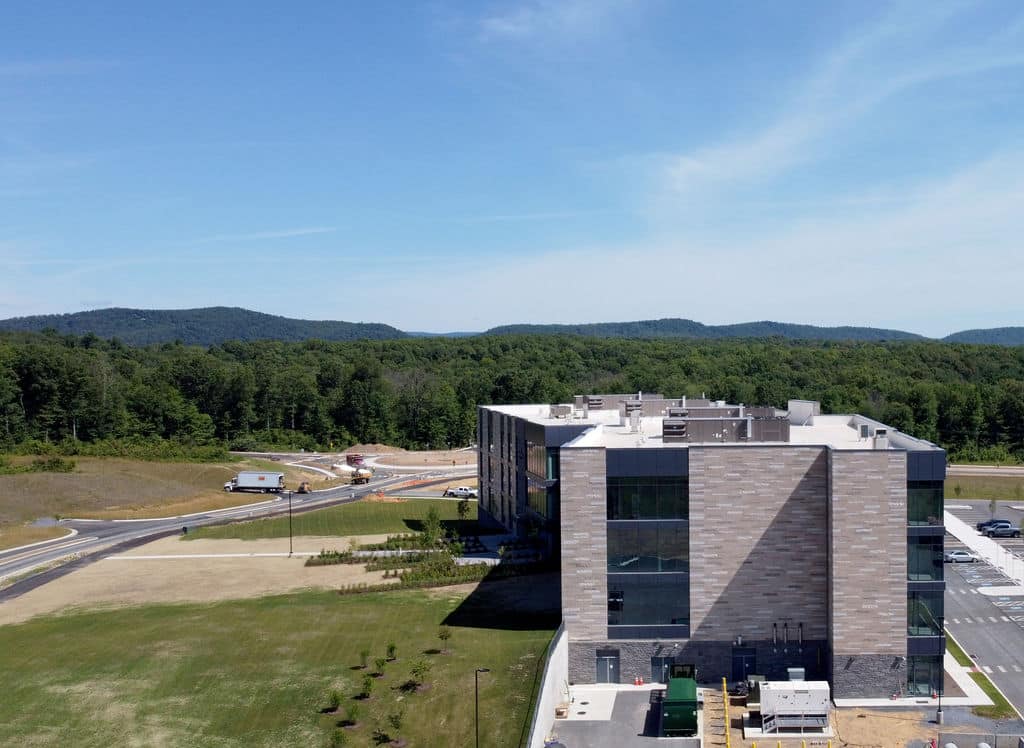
<point x="959" y="557"/>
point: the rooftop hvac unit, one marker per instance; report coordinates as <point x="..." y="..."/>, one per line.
<point x="675" y="412"/>
<point x="674" y="430"/>
<point x="634" y="422"/>
<point x="560" y="411"/>
<point x="881" y="439"/>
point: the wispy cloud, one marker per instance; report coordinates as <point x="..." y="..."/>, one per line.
<point x="529" y="19"/>
<point x="880" y="61"/>
<point x="261" y="235"/>
<point x="553" y="215"/>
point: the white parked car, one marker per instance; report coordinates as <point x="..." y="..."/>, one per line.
<point x="462" y="492"/>
<point x="959" y="557"/>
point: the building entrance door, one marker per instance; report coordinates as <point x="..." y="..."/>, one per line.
<point x="660" y="669"/>
<point x="607" y="666"/>
<point x="744" y="662"/>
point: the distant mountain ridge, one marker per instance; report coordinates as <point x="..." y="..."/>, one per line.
<point x="686" y="328"/>
<point x="214" y="325"/>
<point x="206" y="326"/>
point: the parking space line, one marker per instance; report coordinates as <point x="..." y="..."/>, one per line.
<point x="993" y="619"/>
<point x="967" y="620"/>
<point x="956" y="621"/>
<point x="1000" y="668"/>
<point x="987" y="669"/>
<point x="1005" y="619"/>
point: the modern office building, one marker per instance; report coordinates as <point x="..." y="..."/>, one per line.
<point x="744" y="540"/>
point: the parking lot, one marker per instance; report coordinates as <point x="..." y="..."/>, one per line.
<point x="990" y="628"/>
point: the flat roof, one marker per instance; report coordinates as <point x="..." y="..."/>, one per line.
<point x="840" y="432"/>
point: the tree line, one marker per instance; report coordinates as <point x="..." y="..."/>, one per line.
<point x="415" y="393"/>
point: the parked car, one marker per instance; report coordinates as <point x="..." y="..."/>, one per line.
<point x="982" y="526"/>
<point x="462" y="492"/>
<point x="1003" y="531"/>
<point x="959" y="557"/>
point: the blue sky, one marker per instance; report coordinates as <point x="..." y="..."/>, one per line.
<point x="453" y="166"/>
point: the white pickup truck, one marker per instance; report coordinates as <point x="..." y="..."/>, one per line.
<point x="462" y="492"/>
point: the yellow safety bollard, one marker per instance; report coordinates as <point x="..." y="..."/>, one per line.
<point x="725" y="700"/>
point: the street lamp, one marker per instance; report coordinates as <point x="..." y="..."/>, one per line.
<point x="476" y="701"/>
<point x="289" y="524"/>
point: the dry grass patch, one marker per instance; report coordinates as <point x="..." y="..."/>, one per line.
<point x="12" y="536"/>
<point x="115" y="488"/>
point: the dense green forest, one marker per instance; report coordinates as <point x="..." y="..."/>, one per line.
<point x="206" y="326"/>
<point x="416" y="392"/>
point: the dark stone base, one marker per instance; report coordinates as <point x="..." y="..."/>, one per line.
<point x="712" y="658"/>
<point x="867" y="676"/>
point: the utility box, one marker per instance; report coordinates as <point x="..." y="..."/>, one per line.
<point x="793" y="705"/>
<point x="679" y="709"/>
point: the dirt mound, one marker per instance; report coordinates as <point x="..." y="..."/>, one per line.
<point x="373" y="449"/>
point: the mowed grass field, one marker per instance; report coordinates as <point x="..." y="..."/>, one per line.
<point x="113" y="488"/>
<point x="258" y="672"/>
<point x="364" y="517"/>
<point x="1003" y="488"/>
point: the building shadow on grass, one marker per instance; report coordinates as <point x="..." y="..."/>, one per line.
<point x="521" y="603"/>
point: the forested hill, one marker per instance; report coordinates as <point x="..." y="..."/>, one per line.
<point x="686" y="328"/>
<point x="215" y="325"/>
<point x="207" y="326"/>
<point x="994" y="336"/>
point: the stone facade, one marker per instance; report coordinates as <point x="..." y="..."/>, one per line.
<point x="868" y="564"/>
<point x="584" y="543"/>
<point x="758" y="542"/>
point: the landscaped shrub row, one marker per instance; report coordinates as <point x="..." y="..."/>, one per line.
<point x="328" y="558"/>
<point x="387" y="563"/>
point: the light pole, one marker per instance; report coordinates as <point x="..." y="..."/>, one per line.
<point x="476" y="700"/>
<point x="289" y="524"/>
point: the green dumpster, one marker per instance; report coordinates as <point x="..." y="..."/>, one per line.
<point x="679" y="709"/>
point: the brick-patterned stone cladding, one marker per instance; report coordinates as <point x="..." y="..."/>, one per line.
<point x="758" y="541"/>
<point x="868" y="526"/>
<point x="584" y="543"/>
<point x="867" y="676"/>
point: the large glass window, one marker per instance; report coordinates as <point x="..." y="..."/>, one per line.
<point x="535" y="459"/>
<point x="648" y="547"/>
<point x="648" y="498"/>
<point x="924" y="502"/>
<point x="537" y="498"/>
<point x="924" y="559"/>
<point x="924" y="674"/>
<point x="924" y="613"/>
<point x="648" y="599"/>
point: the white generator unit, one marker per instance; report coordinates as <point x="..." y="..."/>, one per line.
<point x="794" y="706"/>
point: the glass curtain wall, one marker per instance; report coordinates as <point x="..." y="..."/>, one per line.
<point x="648" y="552"/>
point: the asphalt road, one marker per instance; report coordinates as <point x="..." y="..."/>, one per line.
<point x="96" y="539"/>
<point x="990" y="629"/>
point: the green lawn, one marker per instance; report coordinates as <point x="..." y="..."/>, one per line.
<point x="257" y="673"/>
<point x="984" y="487"/>
<point x="359" y="518"/>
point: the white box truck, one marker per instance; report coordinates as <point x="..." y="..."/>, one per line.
<point x="254" y="480"/>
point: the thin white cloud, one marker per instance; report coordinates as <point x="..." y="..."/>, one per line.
<point x="877" y="63"/>
<point x="530" y="19"/>
<point x="261" y="235"/>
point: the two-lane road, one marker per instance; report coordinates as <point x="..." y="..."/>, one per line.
<point x="97" y="538"/>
